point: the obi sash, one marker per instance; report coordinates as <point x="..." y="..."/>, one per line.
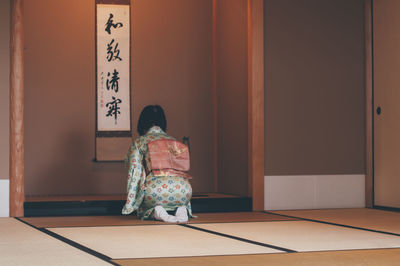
<point x="169" y="157"/>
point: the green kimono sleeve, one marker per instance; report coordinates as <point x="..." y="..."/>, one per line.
<point x="136" y="178"/>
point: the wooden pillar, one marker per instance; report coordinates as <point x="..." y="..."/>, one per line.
<point x="17" y="192"/>
<point x="368" y="106"/>
<point x="215" y="96"/>
<point x="255" y="15"/>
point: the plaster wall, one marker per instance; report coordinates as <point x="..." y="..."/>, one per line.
<point x="314" y="87"/>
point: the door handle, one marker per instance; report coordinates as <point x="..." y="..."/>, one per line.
<point x="379" y="110"/>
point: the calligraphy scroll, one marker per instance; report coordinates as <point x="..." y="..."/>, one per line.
<point x="113" y="103"/>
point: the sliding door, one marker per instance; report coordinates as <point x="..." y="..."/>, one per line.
<point x="386" y="54"/>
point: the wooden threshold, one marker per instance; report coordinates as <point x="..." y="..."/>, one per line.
<point x="58" y="198"/>
<point x="84" y="205"/>
<point x="132" y="220"/>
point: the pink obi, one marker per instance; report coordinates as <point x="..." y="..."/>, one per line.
<point x="169" y="157"/>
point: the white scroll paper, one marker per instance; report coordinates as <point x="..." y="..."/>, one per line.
<point x="113" y="68"/>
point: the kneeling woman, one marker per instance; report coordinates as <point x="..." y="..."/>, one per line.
<point x="153" y="192"/>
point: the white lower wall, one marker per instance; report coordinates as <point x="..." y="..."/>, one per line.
<point x="4" y="198"/>
<point x="314" y="192"/>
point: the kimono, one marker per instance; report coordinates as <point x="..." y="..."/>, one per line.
<point x="145" y="191"/>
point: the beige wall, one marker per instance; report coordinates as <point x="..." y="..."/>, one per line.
<point x="4" y="87"/>
<point x="231" y="53"/>
<point x="171" y="66"/>
<point x="314" y="87"/>
<point x="59" y="101"/>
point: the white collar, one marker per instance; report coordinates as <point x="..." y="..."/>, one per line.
<point x="155" y="129"/>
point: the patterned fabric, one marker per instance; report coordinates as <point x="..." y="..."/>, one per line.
<point x="145" y="190"/>
<point x="169" y="154"/>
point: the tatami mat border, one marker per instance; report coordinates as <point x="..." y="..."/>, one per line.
<point x="41" y="224"/>
<point x="335" y="224"/>
<point x="116" y="225"/>
<point x="202" y="256"/>
<point x="388" y="209"/>
<point x="122" y="225"/>
<point x="71" y="243"/>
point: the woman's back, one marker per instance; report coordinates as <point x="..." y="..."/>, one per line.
<point x="148" y="188"/>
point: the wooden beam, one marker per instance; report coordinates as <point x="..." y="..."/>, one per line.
<point x="113" y="2"/>
<point x="255" y="17"/>
<point x="17" y="191"/>
<point x="368" y="106"/>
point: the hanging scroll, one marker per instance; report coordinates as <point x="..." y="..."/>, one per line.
<point x="113" y="73"/>
<point x="113" y="103"/>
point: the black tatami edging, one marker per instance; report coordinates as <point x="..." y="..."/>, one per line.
<point x="390" y="209"/>
<point x="336" y="224"/>
<point x="73" y="208"/>
<point x="71" y="243"/>
<point x="239" y="239"/>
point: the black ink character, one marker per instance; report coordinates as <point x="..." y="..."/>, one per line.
<point x="110" y="23"/>
<point x="113" y="83"/>
<point x="113" y="54"/>
<point x="113" y="108"/>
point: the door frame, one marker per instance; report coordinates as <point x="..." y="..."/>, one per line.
<point x="369" y="112"/>
<point x="255" y="36"/>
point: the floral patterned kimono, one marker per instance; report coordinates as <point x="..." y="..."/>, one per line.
<point x="146" y="191"/>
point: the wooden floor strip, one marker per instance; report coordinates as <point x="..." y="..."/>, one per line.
<point x="83" y="221"/>
<point x="334" y="258"/>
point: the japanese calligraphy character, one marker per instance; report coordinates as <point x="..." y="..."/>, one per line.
<point x="113" y="108"/>
<point x="113" y="52"/>
<point x="113" y="82"/>
<point x="110" y="23"/>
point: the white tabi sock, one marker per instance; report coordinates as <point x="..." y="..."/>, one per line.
<point x="181" y="215"/>
<point x="162" y="215"/>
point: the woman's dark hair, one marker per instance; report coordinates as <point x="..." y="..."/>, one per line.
<point x="151" y="115"/>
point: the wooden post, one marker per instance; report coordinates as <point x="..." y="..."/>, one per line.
<point x="17" y="191"/>
<point x="215" y="97"/>
<point x="255" y="16"/>
<point x="368" y="106"/>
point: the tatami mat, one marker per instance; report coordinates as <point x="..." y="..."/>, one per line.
<point x="80" y="221"/>
<point x="156" y="241"/>
<point x="366" y="218"/>
<point x="387" y="257"/>
<point x="306" y="236"/>
<point x="130" y="241"/>
<point x="233" y="217"/>
<point x="21" y="244"/>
